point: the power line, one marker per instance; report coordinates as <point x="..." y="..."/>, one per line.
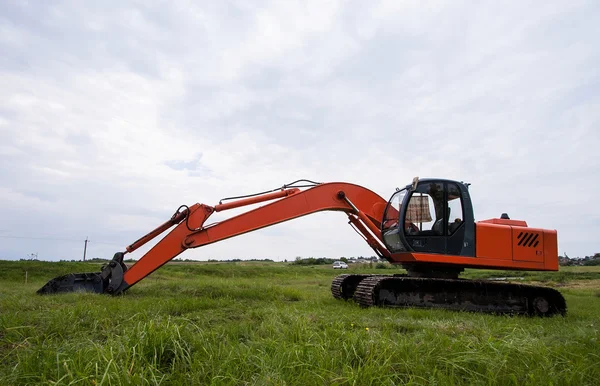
<point x="102" y="242"/>
<point x="56" y="239"/>
<point x="38" y="238"/>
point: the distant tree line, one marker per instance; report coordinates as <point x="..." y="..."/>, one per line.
<point x="325" y="260"/>
<point x="313" y="261"/>
<point x="94" y="260"/>
<point x="587" y="261"/>
<point x="299" y="260"/>
<point x="224" y="260"/>
<point x="238" y="260"/>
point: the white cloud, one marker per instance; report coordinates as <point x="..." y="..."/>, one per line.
<point x="114" y="114"/>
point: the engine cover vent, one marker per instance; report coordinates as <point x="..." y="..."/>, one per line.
<point x="528" y="239"/>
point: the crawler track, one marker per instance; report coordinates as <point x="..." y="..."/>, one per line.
<point x="460" y="295"/>
<point x="343" y="286"/>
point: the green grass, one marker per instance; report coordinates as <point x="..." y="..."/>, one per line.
<point x="275" y="324"/>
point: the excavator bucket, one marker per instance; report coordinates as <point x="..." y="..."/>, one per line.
<point x="106" y="281"/>
<point x="74" y="282"/>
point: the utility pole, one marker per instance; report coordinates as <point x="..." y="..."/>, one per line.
<point x="85" y="247"/>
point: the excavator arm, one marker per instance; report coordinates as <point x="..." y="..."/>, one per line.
<point x="363" y="207"/>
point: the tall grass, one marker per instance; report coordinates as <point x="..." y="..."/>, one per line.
<point x="261" y="324"/>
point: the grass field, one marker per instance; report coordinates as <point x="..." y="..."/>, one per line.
<point x="275" y="324"/>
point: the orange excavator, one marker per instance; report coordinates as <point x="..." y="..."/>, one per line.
<point x="428" y="227"/>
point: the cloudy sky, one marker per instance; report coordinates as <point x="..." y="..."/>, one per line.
<point x="114" y="113"/>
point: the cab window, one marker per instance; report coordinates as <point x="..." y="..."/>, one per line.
<point x="455" y="209"/>
<point x="392" y="211"/>
<point x="390" y="227"/>
<point x="425" y="211"/>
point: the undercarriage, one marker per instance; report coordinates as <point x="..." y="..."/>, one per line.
<point x="450" y="294"/>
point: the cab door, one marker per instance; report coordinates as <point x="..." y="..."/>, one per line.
<point x="456" y="224"/>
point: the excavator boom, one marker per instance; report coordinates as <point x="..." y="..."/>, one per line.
<point x="364" y="209"/>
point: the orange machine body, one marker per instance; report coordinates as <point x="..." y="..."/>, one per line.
<point x="500" y="244"/>
<point x="529" y="248"/>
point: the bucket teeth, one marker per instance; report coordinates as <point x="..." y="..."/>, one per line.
<point x="74" y="282"/>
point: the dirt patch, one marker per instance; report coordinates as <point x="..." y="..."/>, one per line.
<point x="580" y="284"/>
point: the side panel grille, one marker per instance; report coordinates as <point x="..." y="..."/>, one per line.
<point x="528" y="244"/>
<point x="528" y="239"/>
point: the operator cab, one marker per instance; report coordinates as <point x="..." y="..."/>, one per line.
<point x="430" y="216"/>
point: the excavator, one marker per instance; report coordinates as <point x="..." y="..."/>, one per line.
<point x="427" y="227"/>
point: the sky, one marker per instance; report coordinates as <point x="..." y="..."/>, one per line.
<point x="114" y="113"/>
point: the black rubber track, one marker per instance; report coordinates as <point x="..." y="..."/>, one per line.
<point x="343" y="286"/>
<point x="459" y="295"/>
